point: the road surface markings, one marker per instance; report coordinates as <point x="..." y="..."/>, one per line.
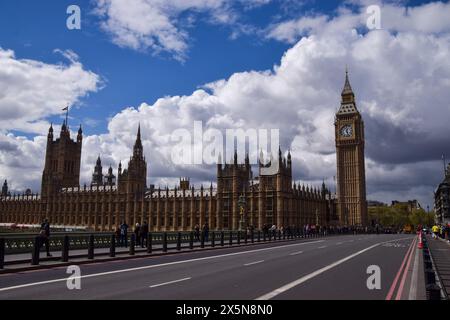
<point x="252" y="263"/>
<point x="414" y="278"/>
<point x="156" y="265"/>
<point x="405" y="272"/>
<point x="338" y="243"/>
<point x="322" y="247"/>
<point x="170" y="282"/>
<point x="399" y="272"/>
<point x="314" y="274"/>
<point x="295" y="253"/>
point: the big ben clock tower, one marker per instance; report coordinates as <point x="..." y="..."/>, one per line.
<point x="351" y="177"/>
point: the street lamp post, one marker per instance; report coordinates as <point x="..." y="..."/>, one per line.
<point x="243" y="221"/>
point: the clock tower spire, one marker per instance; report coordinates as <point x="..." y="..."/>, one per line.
<point x="351" y="178"/>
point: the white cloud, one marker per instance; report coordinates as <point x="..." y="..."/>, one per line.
<point x="160" y="25"/>
<point x="428" y="18"/>
<point x="33" y="90"/>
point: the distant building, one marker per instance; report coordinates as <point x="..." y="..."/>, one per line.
<point x="411" y="204"/>
<point x="374" y="203"/>
<point x="442" y="199"/>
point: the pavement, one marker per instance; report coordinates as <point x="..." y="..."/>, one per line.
<point x="440" y="252"/>
<point x="325" y="268"/>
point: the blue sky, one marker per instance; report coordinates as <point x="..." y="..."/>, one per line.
<point x="303" y="44"/>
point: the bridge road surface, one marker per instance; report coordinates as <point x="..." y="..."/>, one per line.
<point x="322" y="268"/>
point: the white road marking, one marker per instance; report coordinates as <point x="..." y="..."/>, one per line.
<point x="170" y="282"/>
<point x="252" y="263"/>
<point x="322" y="247"/>
<point x="297" y="282"/>
<point x="155" y="266"/>
<point x="338" y="243"/>
<point x="295" y="253"/>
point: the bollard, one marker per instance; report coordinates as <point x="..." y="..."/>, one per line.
<point x="245" y="237"/>
<point x="164" y="249"/>
<point x="253" y="236"/>
<point x="202" y="240"/>
<point x="2" y="253"/>
<point x="132" y="244"/>
<point x="36" y="251"/>
<point x="264" y="236"/>
<point x="65" y="249"/>
<point x="259" y="235"/>
<point x="213" y="239"/>
<point x="231" y="238"/>
<point x="149" y="243"/>
<point x="430" y="277"/>
<point x="222" y="239"/>
<point x="433" y="292"/>
<point x="112" y="248"/>
<point x="191" y="240"/>
<point x="179" y="241"/>
<point x="238" y="237"/>
<point x="91" y="247"/>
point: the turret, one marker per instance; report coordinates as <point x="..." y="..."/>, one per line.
<point x="5" y="189"/>
<point x="80" y="135"/>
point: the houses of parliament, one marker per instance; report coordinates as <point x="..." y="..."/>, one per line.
<point x="266" y="200"/>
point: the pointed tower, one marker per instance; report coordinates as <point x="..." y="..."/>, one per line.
<point x="5" y="189"/>
<point x="97" y="176"/>
<point x="133" y="180"/>
<point x="351" y="178"/>
<point x="62" y="161"/>
<point x="110" y="179"/>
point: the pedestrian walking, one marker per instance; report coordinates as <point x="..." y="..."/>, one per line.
<point x="117" y="233"/>
<point x="197" y="232"/>
<point x="137" y="233"/>
<point x="435" y="231"/>
<point x="205" y="232"/>
<point x="44" y="236"/>
<point x="144" y="234"/>
<point x="124" y="234"/>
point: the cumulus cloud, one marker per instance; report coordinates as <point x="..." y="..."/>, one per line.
<point x="162" y="25"/>
<point x="33" y="90"/>
<point x="401" y="79"/>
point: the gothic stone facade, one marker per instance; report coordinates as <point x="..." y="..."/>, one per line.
<point x="269" y="199"/>
<point x="351" y="176"/>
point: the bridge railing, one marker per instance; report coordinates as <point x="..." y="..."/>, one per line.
<point x="88" y="244"/>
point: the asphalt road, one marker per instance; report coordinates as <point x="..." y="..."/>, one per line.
<point x="325" y="268"/>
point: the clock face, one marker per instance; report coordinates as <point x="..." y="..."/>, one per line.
<point x="346" y="131"/>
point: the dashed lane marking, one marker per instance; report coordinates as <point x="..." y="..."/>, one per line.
<point x="170" y="282"/>
<point x="252" y="263"/>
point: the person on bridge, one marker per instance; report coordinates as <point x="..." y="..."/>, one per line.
<point x="435" y="231"/>
<point x="205" y="232"/>
<point x="124" y="234"/>
<point x="44" y="236"/>
<point x="144" y="234"/>
<point x="197" y="232"/>
<point x="137" y="233"/>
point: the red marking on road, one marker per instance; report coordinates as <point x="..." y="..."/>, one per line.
<point x="405" y="272"/>
<point x="394" y="283"/>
